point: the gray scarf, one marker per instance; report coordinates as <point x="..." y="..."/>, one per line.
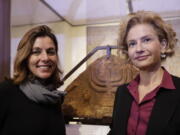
<point x="39" y="93"/>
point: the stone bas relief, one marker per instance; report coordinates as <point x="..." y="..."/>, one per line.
<point x="91" y="94"/>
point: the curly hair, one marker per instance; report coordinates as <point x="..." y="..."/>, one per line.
<point x="163" y="30"/>
<point x="21" y="70"/>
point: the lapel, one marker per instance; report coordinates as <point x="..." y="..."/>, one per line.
<point x="163" y="110"/>
<point x="123" y="109"/>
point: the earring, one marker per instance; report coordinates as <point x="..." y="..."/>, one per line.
<point x="163" y="55"/>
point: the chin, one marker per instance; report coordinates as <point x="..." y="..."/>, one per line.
<point x="143" y="66"/>
<point x="146" y="67"/>
<point x="142" y="63"/>
<point x="44" y="76"/>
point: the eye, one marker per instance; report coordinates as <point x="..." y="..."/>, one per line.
<point x="131" y="43"/>
<point x="36" y="52"/>
<point x="145" y="40"/>
<point x="51" y="51"/>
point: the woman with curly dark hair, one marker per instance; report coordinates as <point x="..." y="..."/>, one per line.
<point x="30" y="103"/>
<point x="149" y="104"/>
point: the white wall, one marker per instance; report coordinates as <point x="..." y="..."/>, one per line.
<point x="72" y="46"/>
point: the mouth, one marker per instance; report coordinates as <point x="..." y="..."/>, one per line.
<point x="140" y="58"/>
<point x="44" y="66"/>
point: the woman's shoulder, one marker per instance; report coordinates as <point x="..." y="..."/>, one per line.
<point x="6" y="86"/>
<point x="176" y="80"/>
<point x="122" y="88"/>
<point x="175" y="77"/>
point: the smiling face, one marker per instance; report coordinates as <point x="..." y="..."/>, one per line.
<point x="144" y="47"/>
<point x="43" y="59"/>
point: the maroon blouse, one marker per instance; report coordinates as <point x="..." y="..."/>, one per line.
<point x="140" y="112"/>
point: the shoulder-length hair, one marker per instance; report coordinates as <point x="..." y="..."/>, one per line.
<point x="163" y="30"/>
<point x="21" y="70"/>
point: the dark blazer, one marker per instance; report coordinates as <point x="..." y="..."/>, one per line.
<point x="165" y="116"/>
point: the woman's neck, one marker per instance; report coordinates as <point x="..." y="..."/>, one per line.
<point x="149" y="80"/>
<point x="151" y="76"/>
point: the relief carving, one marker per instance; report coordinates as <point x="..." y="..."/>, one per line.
<point x="91" y="94"/>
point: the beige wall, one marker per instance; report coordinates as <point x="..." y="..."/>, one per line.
<point x="72" y="45"/>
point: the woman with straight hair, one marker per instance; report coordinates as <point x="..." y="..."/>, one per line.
<point x="30" y="103"/>
<point x="149" y="104"/>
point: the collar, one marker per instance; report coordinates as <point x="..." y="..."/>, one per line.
<point x="166" y="82"/>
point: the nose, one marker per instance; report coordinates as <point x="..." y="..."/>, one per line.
<point x="44" y="56"/>
<point x="139" y="48"/>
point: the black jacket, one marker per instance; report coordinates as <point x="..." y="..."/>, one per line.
<point x="21" y="116"/>
<point x="165" y="116"/>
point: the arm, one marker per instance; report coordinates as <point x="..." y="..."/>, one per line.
<point x="4" y="101"/>
<point x="114" y="110"/>
<point x="122" y="106"/>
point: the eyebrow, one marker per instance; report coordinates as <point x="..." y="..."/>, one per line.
<point x="45" y="49"/>
<point x="146" y="36"/>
